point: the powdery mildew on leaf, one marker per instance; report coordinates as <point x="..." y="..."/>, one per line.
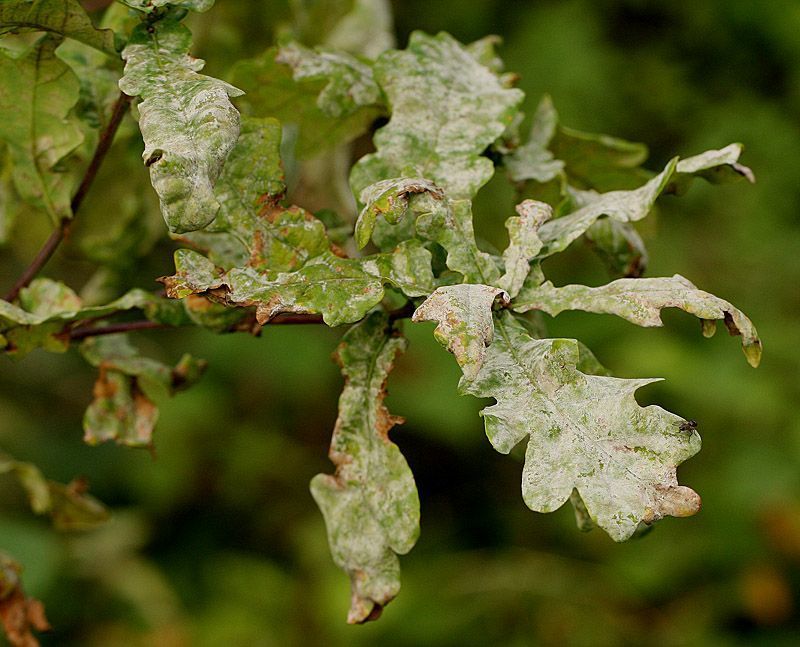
<point x="349" y="82"/>
<point x="640" y="301"/>
<point x="524" y="243"/>
<point x="370" y="504"/>
<point x="39" y="91"/>
<point x="585" y="432"/>
<point x="64" y="17"/>
<point x="187" y="121"/>
<point x="149" y="5"/>
<point x="123" y="409"/>
<point x="464" y="315"/>
<point x="533" y="160"/>
<point x="446" y="109"/>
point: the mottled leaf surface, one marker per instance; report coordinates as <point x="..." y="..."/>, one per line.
<point x="272" y="91"/>
<point x="640" y="301"/>
<point x="149" y="5"/>
<point x="370" y="504"/>
<point x="524" y="243"/>
<point x="39" y="91"/>
<point x="533" y="160"/>
<point x="187" y="121"/>
<point x="349" y="82"/>
<point x="464" y="316"/>
<point x="584" y="433"/>
<point x="715" y="166"/>
<point x="123" y="409"/>
<point x="446" y="109"/>
<point x="64" y="17"/>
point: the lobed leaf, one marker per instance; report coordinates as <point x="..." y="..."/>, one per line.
<point x="349" y="82"/>
<point x="464" y="315"/>
<point x="533" y="160"/>
<point x="715" y="166"/>
<point x="585" y="433"/>
<point x="370" y="504"/>
<point x="39" y="91"/>
<point x="446" y="110"/>
<point x="64" y="17"/>
<point x="123" y="409"/>
<point x="273" y="92"/>
<point x="187" y="121"/>
<point x="640" y="301"/>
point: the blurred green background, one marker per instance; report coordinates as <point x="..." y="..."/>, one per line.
<point x="218" y="542"/>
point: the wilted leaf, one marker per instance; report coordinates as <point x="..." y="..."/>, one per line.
<point x="123" y="409"/>
<point x="640" y="301"/>
<point x="619" y="245"/>
<point x="446" y="109"/>
<point x="370" y="505"/>
<point x="717" y="167"/>
<point x="39" y="90"/>
<point x="464" y="315"/>
<point x="19" y="614"/>
<point x="187" y="121"/>
<point x="585" y="433"/>
<point x="64" y="17"/>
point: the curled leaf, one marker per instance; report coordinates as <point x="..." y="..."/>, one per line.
<point x="640" y="301"/>
<point x="187" y="121"/>
<point x="20" y="614"/>
<point x="370" y="504"/>
<point x="464" y="315"/>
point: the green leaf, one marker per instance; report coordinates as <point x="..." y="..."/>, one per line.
<point x="349" y="83"/>
<point x="446" y="110"/>
<point x="640" y="301"/>
<point x="370" y="504"/>
<point x="187" y="121"/>
<point x="123" y="409"/>
<point x="150" y="5"/>
<point x="619" y="245"/>
<point x="464" y="315"/>
<point x="64" y="17"/>
<point x="585" y="433"/>
<point x="69" y="506"/>
<point x="524" y="243"/>
<point x="39" y="91"/>
<point x="273" y="92"/>
<point x="342" y="290"/>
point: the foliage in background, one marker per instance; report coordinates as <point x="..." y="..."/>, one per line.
<point x="619" y="245"/>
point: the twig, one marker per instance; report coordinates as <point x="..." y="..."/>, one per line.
<point x="285" y="318"/>
<point x="62" y="231"/>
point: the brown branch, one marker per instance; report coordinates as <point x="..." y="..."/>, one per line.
<point x="62" y="231"/>
<point x="285" y="318"/>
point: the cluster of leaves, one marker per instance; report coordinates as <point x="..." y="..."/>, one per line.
<point x="452" y="119"/>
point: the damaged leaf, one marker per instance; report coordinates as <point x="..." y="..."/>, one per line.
<point x="370" y="504"/>
<point x="187" y="121"/>
<point x="640" y="301"/>
<point x="464" y="315"/>
<point x="123" y="409"/>
<point x="584" y="432"/>
<point x="20" y="614"/>
<point x="446" y="109"/>
<point x="524" y="243"/>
